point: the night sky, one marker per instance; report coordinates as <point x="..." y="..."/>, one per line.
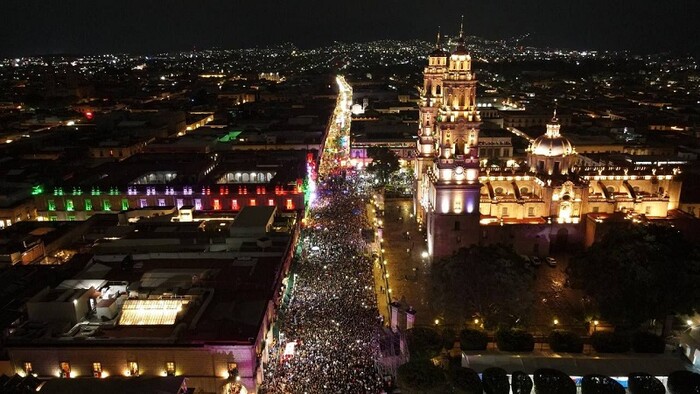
<point x="147" y="26"/>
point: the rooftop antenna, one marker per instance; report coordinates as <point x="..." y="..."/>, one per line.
<point x="437" y="43"/>
<point x="461" y="27"/>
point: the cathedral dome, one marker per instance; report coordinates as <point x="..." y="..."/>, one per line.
<point x="552" y="143"/>
<point x="551" y="146"/>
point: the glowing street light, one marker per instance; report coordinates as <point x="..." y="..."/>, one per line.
<point x="556" y="321"/>
<point x="424" y="254"/>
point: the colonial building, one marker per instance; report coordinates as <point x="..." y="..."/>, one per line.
<point x="457" y="200"/>
<point x="447" y="162"/>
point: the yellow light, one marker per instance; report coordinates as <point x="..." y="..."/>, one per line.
<point x="595" y="322"/>
<point x="689" y="322"/>
<point x="556" y="321"/>
<point x="476" y="321"/>
<point x="437" y="321"/>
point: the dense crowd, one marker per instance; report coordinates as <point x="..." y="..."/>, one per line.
<point x="332" y="315"/>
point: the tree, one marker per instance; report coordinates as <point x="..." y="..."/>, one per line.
<point x="639" y="272"/>
<point x="495" y="381"/>
<point x="515" y="340"/>
<point x="473" y="339"/>
<point x="553" y="381"/>
<point x="644" y="383"/>
<point x="600" y="384"/>
<point x="521" y="383"/>
<point x="683" y="382"/>
<point x="491" y="282"/>
<point x="384" y="163"/>
<point x="565" y="342"/>
<point x="419" y="376"/>
<point x="465" y="380"/>
<point x="423" y="342"/>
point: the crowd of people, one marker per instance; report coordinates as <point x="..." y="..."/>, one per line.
<point x="332" y="316"/>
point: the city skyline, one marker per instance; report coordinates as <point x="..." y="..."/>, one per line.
<point x="78" y="26"/>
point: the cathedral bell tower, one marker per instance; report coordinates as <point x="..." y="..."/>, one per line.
<point x="430" y="102"/>
<point x="452" y="190"/>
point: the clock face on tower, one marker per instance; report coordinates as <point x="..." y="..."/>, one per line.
<point x="459" y="170"/>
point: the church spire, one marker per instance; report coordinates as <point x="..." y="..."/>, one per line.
<point x="437" y="42"/>
<point x="461" y="28"/>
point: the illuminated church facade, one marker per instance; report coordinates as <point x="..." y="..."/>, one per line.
<point x="461" y="201"/>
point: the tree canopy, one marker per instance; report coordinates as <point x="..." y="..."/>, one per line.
<point x="420" y="376"/>
<point x="384" y="163"/>
<point x="491" y="282"/>
<point x="639" y="272"/>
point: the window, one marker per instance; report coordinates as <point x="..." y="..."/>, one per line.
<point x="133" y="368"/>
<point x="531" y="211"/>
<point x="97" y="370"/>
<point x="170" y="368"/>
<point x="64" y="368"/>
<point x="71" y="218"/>
<point x="27" y="367"/>
<point x="125" y="204"/>
<point x="180" y="203"/>
<point x="504" y="211"/>
<point x="106" y="205"/>
<point x="198" y="204"/>
<point x="69" y="205"/>
<point x="647" y="210"/>
<point x="596" y="209"/>
<point x="252" y="202"/>
<point x="53" y="218"/>
<point x="51" y="205"/>
<point x="88" y="204"/>
<point x="161" y="202"/>
<point x="290" y="204"/>
<point x="217" y="204"/>
<point x="143" y="203"/>
<point x="234" y="205"/>
<point x="270" y="202"/>
<point x="498" y="191"/>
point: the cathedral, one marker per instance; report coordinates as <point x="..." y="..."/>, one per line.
<point x="460" y="200"/>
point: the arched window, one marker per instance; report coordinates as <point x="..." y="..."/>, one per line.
<point x="498" y="191"/>
<point x="438" y="89"/>
<point x="524" y="190"/>
<point x="610" y="189"/>
<point x="245" y="178"/>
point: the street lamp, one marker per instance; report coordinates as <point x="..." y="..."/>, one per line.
<point x="689" y="322"/>
<point x="437" y="321"/>
<point x="424" y="254"/>
<point x="556" y="321"/>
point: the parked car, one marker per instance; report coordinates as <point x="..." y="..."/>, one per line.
<point x="551" y="261"/>
<point x="535" y="261"/>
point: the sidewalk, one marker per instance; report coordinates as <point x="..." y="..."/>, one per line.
<point x="380" y="282"/>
